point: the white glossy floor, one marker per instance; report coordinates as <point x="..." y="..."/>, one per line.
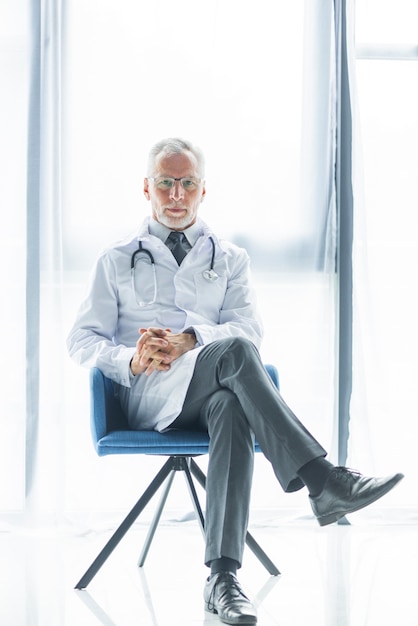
<point x="359" y="575"/>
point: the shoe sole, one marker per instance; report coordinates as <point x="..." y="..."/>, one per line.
<point x="244" y="620"/>
<point x="325" y="520"/>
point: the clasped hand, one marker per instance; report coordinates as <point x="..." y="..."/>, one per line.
<point x="157" y="348"/>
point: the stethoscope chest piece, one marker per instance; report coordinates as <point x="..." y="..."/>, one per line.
<point x="210" y="275"/>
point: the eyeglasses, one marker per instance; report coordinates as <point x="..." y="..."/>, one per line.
<point x="165" y="183"/>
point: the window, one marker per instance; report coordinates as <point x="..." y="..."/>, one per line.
<point x="385" y="240"/>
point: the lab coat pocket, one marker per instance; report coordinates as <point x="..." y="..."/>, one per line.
<point x="210" y="293"/>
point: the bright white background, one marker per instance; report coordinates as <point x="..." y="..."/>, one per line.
<point x="232" y="77"/>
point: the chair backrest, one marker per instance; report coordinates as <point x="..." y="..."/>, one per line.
<point x="105" y="410"/>
<point x="111" y="433"/>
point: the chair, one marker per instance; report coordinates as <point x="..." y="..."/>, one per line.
<point x="111" y="435"/>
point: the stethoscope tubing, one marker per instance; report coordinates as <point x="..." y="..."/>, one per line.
<point x="209" y="274"/>
<point x="139" y="251"/>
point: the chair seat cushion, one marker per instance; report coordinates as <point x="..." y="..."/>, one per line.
<point x="170" y="443"/>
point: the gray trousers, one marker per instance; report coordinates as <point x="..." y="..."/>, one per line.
<point x="233" y="398"/>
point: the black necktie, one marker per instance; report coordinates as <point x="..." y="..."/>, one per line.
<point x="177" y="243"/>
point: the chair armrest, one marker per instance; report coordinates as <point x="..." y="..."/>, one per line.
<point x="106" y="414"/>
<point x="273" y="372"/>
<point x="98" y="422"/>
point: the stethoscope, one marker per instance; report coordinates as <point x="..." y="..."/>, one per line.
<point x="209" y="274"/>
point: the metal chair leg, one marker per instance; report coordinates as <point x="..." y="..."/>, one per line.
<point x="195" y="499"/>
<point x="156" y="519"/>
<point x="173" y="464"/>
<point x="126" y="524"/>
<point x="261" y="555"/>
<point x="179" y="464"/>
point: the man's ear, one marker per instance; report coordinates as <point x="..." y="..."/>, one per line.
<point x="203" y="193"/>
<point x="146" y="188"/>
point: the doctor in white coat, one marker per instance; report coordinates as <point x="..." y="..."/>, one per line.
<point x="180" y="340"/>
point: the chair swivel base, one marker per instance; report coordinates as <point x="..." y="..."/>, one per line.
<point x="166" y="473"/>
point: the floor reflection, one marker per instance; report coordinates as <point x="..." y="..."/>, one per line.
<point x="97" y="610"/>
<point x="95" y="607"/>
<point x="361" y="575"/>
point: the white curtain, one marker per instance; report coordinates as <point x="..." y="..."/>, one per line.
<point x="385" y="340"/>
<point x="99" y="82"/>
<point x="14" y="93"/>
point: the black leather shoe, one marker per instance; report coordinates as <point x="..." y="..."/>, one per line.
<point x="223" y="595"/>
<point x="346" y="491"/>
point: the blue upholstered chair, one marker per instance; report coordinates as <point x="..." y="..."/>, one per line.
<point x="111" y="435"/>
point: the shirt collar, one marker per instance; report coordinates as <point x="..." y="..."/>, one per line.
<point x="192" y="233"/>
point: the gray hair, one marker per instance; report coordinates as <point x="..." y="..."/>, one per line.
<point x="175" y="146"/>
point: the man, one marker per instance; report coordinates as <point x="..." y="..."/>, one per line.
<point x="196" y="365"/>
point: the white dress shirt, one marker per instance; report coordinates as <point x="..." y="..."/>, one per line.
<point x="105" y="331"/>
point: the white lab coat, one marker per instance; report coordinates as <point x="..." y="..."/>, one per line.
<point x="105" y="332"/>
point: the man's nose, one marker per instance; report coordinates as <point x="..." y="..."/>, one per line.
<point x="176" y="191"/>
